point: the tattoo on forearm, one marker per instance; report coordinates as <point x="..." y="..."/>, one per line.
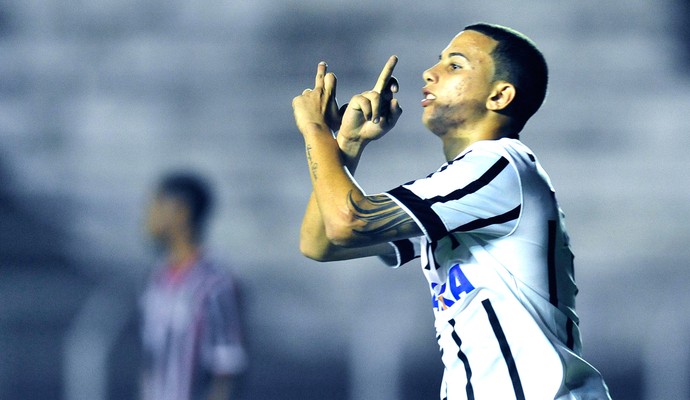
<point x="313" y="166"/>
<point x="381" y="215"/>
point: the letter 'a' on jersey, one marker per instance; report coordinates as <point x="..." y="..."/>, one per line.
<point x="497" y="258"/>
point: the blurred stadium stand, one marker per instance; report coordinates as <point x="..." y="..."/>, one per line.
<point x="98" y="98"/>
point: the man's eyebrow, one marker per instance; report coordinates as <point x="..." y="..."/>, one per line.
<point x="457" y="55"/>
<point x="454" y="54"/>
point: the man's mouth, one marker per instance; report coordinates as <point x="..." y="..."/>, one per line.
<point x="428" y="98"/>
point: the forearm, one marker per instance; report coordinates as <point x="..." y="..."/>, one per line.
<point x="331" y="183"/>
<point x="315" y="244"/>
<point x="313" y="240"/>
<point x="351" y="151"/>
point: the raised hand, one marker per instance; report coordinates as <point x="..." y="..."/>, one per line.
<point x="319" y="105"/>
<point x="373" y="113"/>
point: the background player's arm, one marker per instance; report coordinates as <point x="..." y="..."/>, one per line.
<point x="350" y="218"/>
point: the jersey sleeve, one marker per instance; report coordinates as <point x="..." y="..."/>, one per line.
<point x="478" y="192"/>
<point x="406" y="250"/>
<point x="222" y="350"/>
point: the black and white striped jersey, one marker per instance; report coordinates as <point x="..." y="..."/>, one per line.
<point x="497" y="257"/>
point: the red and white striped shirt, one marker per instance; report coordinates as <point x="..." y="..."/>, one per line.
<point x="190" y="331"/>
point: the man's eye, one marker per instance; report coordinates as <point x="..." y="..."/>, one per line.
<point x="454" y="66"/>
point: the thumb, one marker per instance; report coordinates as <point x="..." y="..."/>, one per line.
<point x="342" y="109"/>
<point x="394" y="112"/>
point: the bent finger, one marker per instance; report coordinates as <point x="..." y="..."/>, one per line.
<point x="377" y="105"/>
<point x="363" y="105"/>
<point x="394" y="112"/>
<point x="390" y="90"/>
<point x="393" y="84"/>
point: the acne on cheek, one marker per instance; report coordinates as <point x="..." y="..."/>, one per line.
<point x="462" y="85"/>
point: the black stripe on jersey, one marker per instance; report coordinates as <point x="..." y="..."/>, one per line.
<point x="474" y="186"/>
<point x="505" y="349"/>
<point x="432" y="258"/>
<point x="484" y="222"/>
<point x="421" y="208"/>
<point x="449" y="163"/>
<point x="422" y="211"/>
<point x="569" y="327"/>
<point x="406" y="250"/>
<point x="462" y="357"/>
<point x="551" y="264"/>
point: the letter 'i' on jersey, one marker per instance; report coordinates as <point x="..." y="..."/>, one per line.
<point x="497" y="258"/>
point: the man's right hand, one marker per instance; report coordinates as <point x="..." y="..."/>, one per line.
<point x="373" y="113"/>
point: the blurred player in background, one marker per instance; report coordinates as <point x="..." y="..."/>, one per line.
<point x="486" y="224"/>
<point x="191" y="333"/>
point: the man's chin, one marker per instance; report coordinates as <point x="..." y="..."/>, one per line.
<point x="434" y="125"/>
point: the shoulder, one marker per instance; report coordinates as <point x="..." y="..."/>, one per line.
<point x="483" y="156"/>
<point x="505" y="147"/>
<point x="512" y="151"/>
<point x="214" y="273"/>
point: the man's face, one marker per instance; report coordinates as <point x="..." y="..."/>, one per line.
<point x="458" y="86"/>
<point x="165" y="215"/>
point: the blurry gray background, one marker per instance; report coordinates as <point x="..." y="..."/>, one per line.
<point x="98" y="98"/>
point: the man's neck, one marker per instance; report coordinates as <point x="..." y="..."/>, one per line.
<point x="453" y="146"/>
<point x="456" y="142"/>
<point x="181" y="254"/>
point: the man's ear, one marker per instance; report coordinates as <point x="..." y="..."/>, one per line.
<point x="501" y="96"/>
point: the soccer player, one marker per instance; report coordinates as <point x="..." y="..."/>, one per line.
<point x="486" y="225"/>
<point x="191" y="333"/>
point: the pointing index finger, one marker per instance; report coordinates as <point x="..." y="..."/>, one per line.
<point x="385" y="75"/>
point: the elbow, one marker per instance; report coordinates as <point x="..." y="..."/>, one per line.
<point x="340" y="234"/>
<point x="316" y="246"/>
<point x="327" y="242"/>
<point x="313" y="252"/>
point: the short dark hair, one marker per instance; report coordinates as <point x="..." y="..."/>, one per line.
<point x="194" y="192"/>
<point x="517" y="60"/>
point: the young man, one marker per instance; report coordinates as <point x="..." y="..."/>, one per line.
<point x="486" y="224"/>
<point x="191" y="332"/>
